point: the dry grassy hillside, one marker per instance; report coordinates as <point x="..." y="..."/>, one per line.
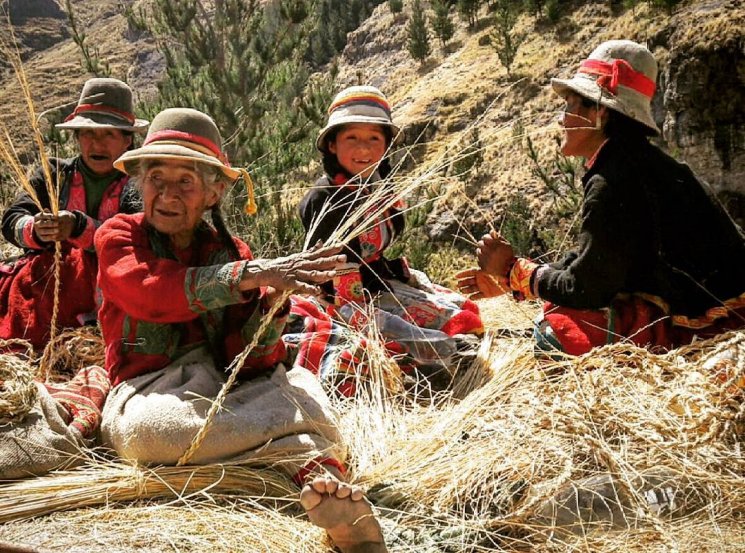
<point x="52" y="60"/>
<point x="467" y="86"/>
<point x="699" y="47"/>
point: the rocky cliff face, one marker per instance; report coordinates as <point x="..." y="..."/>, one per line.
<point x="704" y="95"/>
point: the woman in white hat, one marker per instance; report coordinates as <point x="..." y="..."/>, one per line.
<point x="90" y="191"/>
<point x="418" y="319"/>
<point x="659" y="260"/>
<point x="180" y="300"/>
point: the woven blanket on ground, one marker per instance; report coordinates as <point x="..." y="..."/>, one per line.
<point x="412" y="324"/>
<point x="27" y="294"/>
<point x="61" y="424"/>
<point x="431" y="306"/>
<point x="283" y="417"/>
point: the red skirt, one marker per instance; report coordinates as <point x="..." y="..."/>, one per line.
<point x="27" y="294"/>
<point x="631" y="319"/>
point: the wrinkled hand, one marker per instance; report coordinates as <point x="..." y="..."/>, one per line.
<point x="301" y="271"/>
<point x="50" y="228"/>
<point x="495" y="255"/>
<point x="477" y="284"/>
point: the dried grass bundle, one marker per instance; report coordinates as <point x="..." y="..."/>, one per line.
<point x="102" y="483"/>
<point x="9" y="155"/>
<point x="217" y="525"/>
<point x="72" y="350"/>
<point x="17" y="388"/>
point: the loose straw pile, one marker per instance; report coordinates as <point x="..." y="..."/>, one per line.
<point x="72" y="350"/>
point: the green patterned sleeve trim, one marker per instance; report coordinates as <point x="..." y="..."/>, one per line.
<point x="214" y="287"/>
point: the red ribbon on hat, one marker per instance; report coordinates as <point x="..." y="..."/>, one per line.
<point x="100" y="108"/>
<point x="205" y="146"/>
<point x="170" y="134"/>
<point x="618" y="72"/>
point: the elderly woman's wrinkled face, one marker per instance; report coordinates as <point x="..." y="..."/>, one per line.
<point x="175" y="197"/>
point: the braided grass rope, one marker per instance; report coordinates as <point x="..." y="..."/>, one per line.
<point x="234" y="369"/>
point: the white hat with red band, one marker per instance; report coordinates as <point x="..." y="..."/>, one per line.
<point x="619" y="74"/>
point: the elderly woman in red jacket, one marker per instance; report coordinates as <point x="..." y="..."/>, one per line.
<point x="659" y="261"/>
<point x="181" y="301"/>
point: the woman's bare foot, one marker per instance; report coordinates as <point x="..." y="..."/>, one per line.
<point x="344" y="512"/>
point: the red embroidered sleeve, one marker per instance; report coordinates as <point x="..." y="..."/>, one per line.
<point x="154" y="289"/>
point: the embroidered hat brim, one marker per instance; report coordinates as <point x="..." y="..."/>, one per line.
<point x="357" y="104"/>
<point x="171" y="151"/>
<point x="341" y="120"/>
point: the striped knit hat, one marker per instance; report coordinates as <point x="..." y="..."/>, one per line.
<point x="619" y="74"/>
<point x="357" y="104"/>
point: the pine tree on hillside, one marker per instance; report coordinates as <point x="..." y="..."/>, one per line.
<point x="469" y="11"/>
<point x="336" y="18"/>
<point x="504" y="38"/>
<point x="418" y="34"/>
<point x="396" y="6"/>
<point x="442" y="24"/>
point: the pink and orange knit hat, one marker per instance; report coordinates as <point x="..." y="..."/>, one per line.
<point x="357" y="104"/>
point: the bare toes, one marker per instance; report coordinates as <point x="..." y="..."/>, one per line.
<point x="310" y="498"/>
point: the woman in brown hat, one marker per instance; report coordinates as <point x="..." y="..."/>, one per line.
<point x="659" y="260"/>
<point x="181" y="299"/>
<point x="418" y="319"/>
<point x="90" y="191"/>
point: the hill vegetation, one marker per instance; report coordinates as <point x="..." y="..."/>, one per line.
<point x="473" y="467"/>
<point x="477" y="112"/>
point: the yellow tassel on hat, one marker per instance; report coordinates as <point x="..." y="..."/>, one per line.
<point x="251" y="208"/>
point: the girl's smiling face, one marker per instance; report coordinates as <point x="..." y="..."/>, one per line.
<point x="359" y="147"/>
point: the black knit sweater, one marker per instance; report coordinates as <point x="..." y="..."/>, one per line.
<point x="650" y="226"/>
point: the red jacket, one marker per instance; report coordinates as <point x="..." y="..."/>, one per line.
<point x="157" y="304"/>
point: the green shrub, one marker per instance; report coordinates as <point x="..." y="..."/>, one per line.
<point x="517" y="224"/>
<point x="470" y="157"/>
<point x="418" y="34"/>
<point x="442" y="24"/>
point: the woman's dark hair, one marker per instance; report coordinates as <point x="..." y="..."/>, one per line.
<point x="331" y="164"/>
<point x="218" y="221"/>
<point x="619" y="125"/>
